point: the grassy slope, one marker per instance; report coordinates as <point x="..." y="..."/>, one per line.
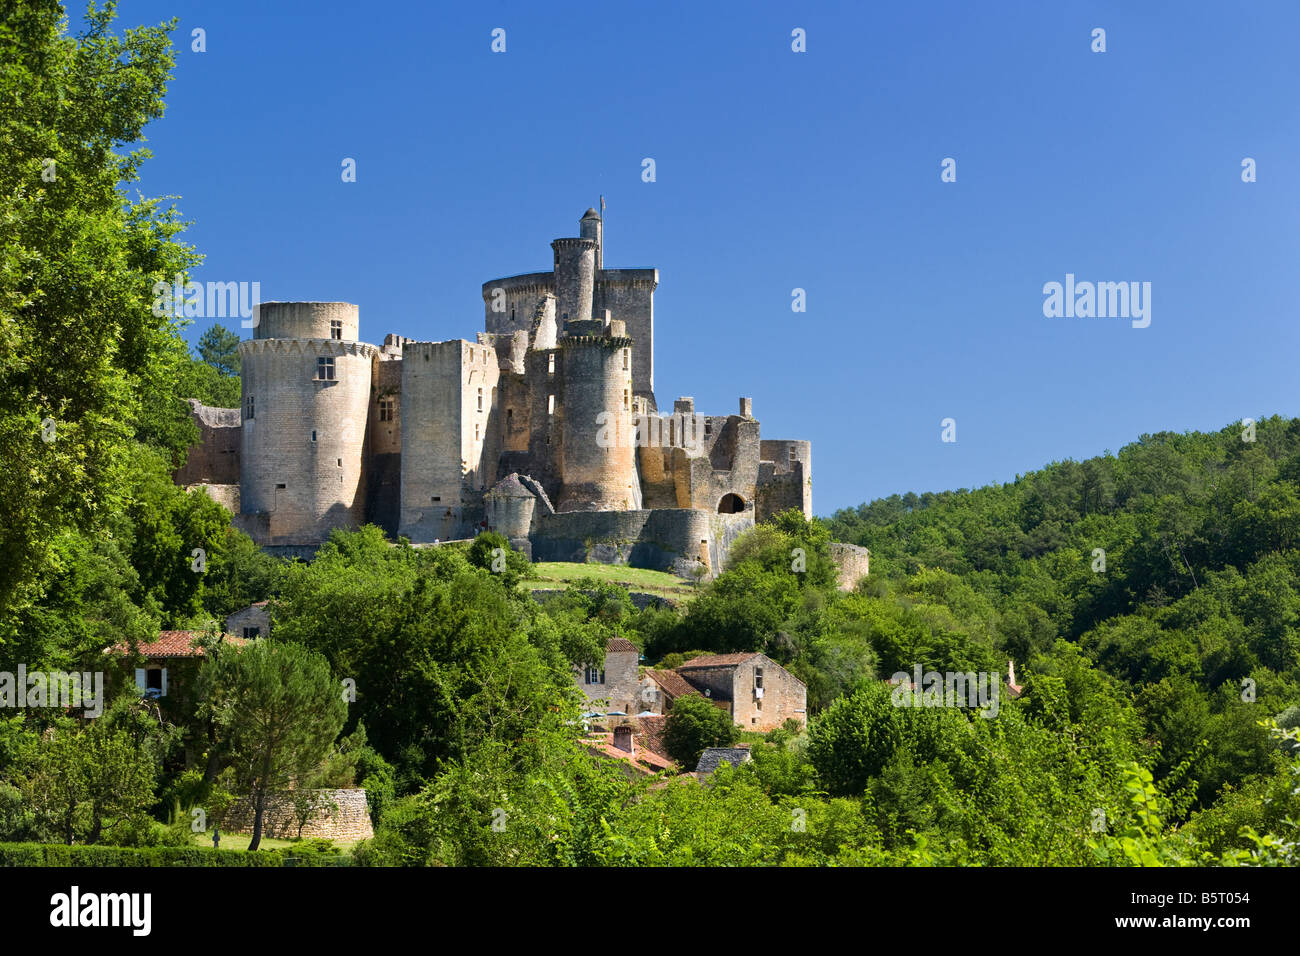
<point x="559" y="574"/>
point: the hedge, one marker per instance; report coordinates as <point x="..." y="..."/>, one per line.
<point x="58" y="854"/>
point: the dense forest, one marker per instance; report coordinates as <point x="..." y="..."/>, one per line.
<point x="1149" y="600"/>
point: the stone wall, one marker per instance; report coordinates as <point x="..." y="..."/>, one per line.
<point x="667" y="540"/>
<point x="225" y="495"/>
<point x="348" y="821"/>
<point x="215" y="458"/>
<point x="853" y="562"/>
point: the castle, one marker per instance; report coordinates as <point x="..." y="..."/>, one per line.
<point x="545" y="429"/>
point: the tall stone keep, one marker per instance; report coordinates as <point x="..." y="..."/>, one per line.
<point x="305" y="388"/>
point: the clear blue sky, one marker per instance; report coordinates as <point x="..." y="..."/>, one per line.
<point x="778" y="170"/>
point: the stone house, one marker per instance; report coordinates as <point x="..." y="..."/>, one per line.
<point x="250" y="622"/>
<point x="758" y="692"/>
<point x="612" y="687"/>
<point x="659" y="688"/>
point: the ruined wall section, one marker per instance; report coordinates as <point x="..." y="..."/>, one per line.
<point x="785" y="477"/>
<point x="214" y="459"/>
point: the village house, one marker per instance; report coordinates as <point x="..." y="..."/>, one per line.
<point x="758" y="692"/>
<point x="612" y="687"/>
<point x="251" y="622"/>
<point x="755" y="690"/>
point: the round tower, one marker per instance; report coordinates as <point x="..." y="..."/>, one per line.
<point x="306" y="400"/>
<point x="598" y="448"/>
<point x="575" y="278"/>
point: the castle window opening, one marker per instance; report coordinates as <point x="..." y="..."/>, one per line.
<point x="550" y="364"/>
<point x="325" y="369"/>
<point x="387" y="407"/>
<point x="550" y="404"/>
<point x="480" y="399"/>
<point x="336" y="329"/>
<point x="626" y="404"/>
<point x="731" y="504"/>
<point x="794" y="456"/>
<point x="313" y="434"/>
<point x="281" y="486"/>
<point x="512" y="313"/>
<point x="340" y="462"/>
<point x="250" y="408"/>
<point x="476" y="431"/>
<point x="625" y="358"/>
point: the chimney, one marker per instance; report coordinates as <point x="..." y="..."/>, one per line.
<point x="623" y="738"/>
<point x="746" y="408"/>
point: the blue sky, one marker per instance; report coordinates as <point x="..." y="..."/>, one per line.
<point x="776" y="170"/>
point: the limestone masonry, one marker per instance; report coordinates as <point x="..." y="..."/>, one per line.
<point x="545" y="428"/>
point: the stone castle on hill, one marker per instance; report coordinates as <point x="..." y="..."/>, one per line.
<point x="545" y="428"/>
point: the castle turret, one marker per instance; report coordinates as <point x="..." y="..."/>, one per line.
<point x="591" y="227"/>
<point x="598" y="463"/>
<point x="306" y="400"/>
<point x="575" y="278"/>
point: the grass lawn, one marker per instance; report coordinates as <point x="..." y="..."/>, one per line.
<point x="559" y="574"/>
<point x="240" y="841"/>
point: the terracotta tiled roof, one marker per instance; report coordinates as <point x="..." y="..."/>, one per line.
<point x="673" y="683"/>
<point x="621" y="644"/>
<point x="174" y="644"/>
<point x="718" y="660"/>
<point x="652" y="735"/>
<point x="644" y="759"/>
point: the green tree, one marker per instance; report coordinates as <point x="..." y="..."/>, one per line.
<point x="693" y="724"/>
<point x="219" y="348"/>
<point x="277" y="709"/>
<point x="82" y="354"/>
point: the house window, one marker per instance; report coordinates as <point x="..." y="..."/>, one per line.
<point x="325" y="369"/>
<point x="252" y="632"/>
<point x="595" y="675"/>
<point x="758" y="678"/>
<point x="336" y="329"/>
<point x="250" y="409"/>
<point x="550" y="364"/>
<point x="480" y="399"/>
<point x="387" y="409"/>
<point x="151" y="681"/>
